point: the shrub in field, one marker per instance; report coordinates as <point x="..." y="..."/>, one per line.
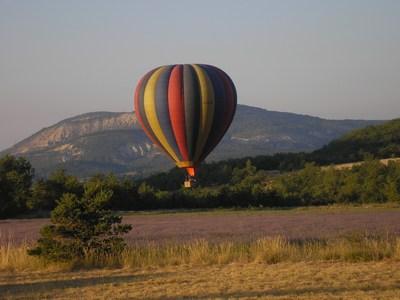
<point x="82" y="226"/>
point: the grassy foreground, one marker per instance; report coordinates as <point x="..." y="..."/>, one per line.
<point x="301" y="280"/>
<point x="352" y="267"/>
<point x="270" y="250"/>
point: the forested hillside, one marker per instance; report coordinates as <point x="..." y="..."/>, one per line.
<point x="381" y="141"/>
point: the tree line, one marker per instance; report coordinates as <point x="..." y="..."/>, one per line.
<point x="221" y="185"/>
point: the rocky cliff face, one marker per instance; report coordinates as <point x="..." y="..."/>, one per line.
<point x="105" y="141"/>
<point x="75" y="127"/>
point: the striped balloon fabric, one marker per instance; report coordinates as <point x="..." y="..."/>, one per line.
<point x="186" y="110"/>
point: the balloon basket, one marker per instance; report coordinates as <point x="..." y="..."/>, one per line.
<point x="190" y="182"/>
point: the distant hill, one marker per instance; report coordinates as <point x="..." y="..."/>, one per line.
<point x="108" y="141"/>
<point x="382" y="141"/>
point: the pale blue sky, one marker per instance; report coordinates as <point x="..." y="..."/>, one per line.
<point x="334" y="59"/>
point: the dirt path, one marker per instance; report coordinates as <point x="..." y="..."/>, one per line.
<point x="384" y="161"/>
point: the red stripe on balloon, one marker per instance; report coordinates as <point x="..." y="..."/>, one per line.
<point x="176" y="108"/>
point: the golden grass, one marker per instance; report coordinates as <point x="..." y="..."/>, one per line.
<point x="299" y="280"/>
<point x="267" y="250"/>
<point x="15" y="258"/>
<point x="352" y="248"/>
<point x="351" y="267"/>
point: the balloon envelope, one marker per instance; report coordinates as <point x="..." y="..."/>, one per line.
<point x="185" y="110"/>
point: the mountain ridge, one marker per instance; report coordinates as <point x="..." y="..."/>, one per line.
<point x="113" y="141"/>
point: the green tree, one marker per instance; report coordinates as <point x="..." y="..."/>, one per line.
<point x="328" y="185"/>
<point x="45" y="192"/>
<point x="299" y="186"/>
<point x="147" y="195"/>
<point x="372" y="177"/>
<point x="15" y="181"/>
<point x="391" y="188"/>
<point x="82" y="226"/>
<point x="238" y="174"/>
<point x="124" y="190"/>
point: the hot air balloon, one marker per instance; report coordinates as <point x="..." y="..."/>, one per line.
<point x="185" y="110"/>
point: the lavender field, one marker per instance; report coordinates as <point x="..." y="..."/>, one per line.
<point x="234" y="225"/>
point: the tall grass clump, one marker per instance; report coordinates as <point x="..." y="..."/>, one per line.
<point x="269" y="250"/>
<point x="352" y="248"/>
<point x="15" y="258"/>
<point x="396" y="254"/>
<point x="360" y="247"/>
<point x="272" y="250"/>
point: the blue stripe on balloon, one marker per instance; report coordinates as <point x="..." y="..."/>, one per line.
<point x="162" y="110"/>
<point x="218" y="124"/>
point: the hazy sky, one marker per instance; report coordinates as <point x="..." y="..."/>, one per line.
<point x="333" y="59"/>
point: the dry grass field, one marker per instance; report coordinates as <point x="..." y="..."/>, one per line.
<point x="317" y="259"/>
<point x="301" y="280"/>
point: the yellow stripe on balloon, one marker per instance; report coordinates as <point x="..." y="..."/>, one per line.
<point x="207" y="110"/>
<point x="151" y="112"/>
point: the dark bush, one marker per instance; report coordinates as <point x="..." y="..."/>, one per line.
<point x="16" y="176"/>
<point x="82" y="226"/>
